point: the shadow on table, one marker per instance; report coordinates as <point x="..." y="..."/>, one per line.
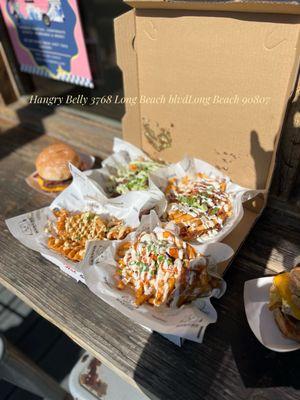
<point x="44" y="344"/>
<point x="230" y="358"/>
<point x="13" y="138"/>
<point x="277" y="236"/>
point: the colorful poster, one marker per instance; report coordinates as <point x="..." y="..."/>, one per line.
<point x="48" y="39"/>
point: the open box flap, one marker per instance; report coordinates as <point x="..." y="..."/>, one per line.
<point x="283" y="7"/>
<point x="222" y="84"/>
<point x="247" y="62"/>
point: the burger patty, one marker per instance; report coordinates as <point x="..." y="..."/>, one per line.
<point x="51" y="184"/>
<point x="295" y="323"/>
<point x="289" y="326"/>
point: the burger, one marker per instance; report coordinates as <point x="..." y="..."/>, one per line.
<point x="285" y="302"/>
<point x="52" y="166"/>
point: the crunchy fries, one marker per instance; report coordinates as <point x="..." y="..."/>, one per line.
<point x="71" y="231"/>
<point x="162" y="269"/>
<point x="199" y="205"/>
<point x="133" y="177"/>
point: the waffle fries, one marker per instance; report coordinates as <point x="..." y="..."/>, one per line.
<point x="71" y="231"/>
<point x="163" y="269"/>
<point x="198" y="205"/>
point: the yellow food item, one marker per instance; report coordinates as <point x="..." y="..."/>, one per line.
<point x="58" y="188"/>
<point x="282" y="284"/>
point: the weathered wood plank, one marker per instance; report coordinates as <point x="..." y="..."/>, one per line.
<point x="94" y="134"/>
<point x="148" y="359"/>
<point x="229" y="365"/>
<point x="45" y="345"/>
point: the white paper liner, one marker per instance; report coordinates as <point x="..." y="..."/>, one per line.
<point x="188" y="321"/>
<point x="123" y="154"/>
<point x="192" y="166"/>
<point x="82" y="195"/>
<point x="261" y="319"/>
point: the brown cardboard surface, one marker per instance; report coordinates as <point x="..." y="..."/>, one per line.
<point x="228" y="58"/>
<point x="235" y="59"/>
<point x="127" y="60"/>
<point x="267" y="6"/>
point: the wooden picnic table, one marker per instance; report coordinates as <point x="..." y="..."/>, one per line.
<point x="230" y="364"/>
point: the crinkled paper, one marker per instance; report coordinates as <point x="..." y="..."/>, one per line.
<point x="191" y="166"/>
<point x="188" y="321"/>
<point x="82" y="195"/>
<point x="123" y="154"/>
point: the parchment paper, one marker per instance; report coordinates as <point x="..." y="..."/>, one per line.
<point x="123" y="154"/>
<point x="188" y="321"/>
<point x="191" y="166"/>
<point x="82" y="195"/>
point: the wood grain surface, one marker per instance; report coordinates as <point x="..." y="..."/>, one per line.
<point x="230" y="364"/>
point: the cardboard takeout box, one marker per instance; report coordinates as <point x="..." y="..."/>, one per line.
<point x="211" y="80"/>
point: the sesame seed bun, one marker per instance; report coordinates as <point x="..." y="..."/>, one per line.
<point x="52" y="163"/>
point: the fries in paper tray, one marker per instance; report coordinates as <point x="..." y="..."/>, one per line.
<point x="204" y="204"/>
<point x="157" y="279"/>
<point x="198" y="198"/>
<point x="79" y="214"/>
<point x="160" y="271"/>
<point x="125" y="175"/>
